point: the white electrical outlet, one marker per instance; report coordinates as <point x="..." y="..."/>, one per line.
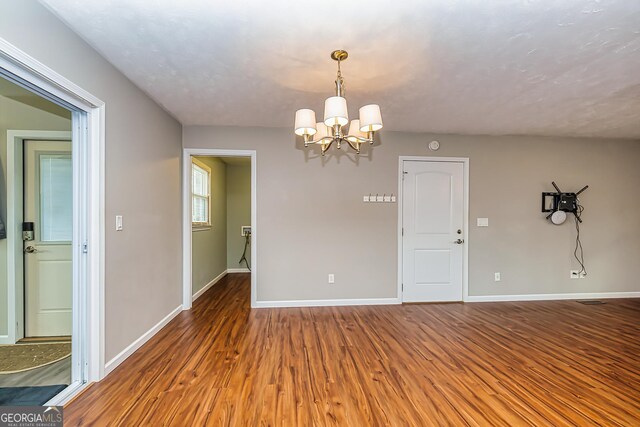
<point x="482" y="222"/>
<point x="497" y="277"/>
<point x="576" y="274"/>
<point x="118" y="222"/>
<point x="332" y="278"/>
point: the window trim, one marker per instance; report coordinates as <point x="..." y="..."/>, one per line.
<point x="196" y="226"/>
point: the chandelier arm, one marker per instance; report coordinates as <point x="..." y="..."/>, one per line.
<point x="325" y="147"/>
<point x="354" y="146"/>
<point x="358" y="138"/>
<point x="319" y="141"/>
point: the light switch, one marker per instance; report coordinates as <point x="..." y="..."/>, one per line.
<point x="379" y="199"/>
<point x="387" y="199"/>
<point x="483" y="222"/>
<point x="365" y="199"/>
<point x="393" y="199"/>
<point x="118" y="222"/>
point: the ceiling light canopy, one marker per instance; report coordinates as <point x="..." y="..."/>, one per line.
<point x="336" y="117"/>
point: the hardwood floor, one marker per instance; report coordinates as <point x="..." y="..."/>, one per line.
<point x="530" y="363"/>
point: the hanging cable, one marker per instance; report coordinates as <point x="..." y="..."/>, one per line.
<point x="247" y="240"/>
<point x="578" y="252"/>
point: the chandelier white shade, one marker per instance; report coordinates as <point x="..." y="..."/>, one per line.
<point x="370" y="118"/>
<point x="336" y="116"/>
<point x="322" y="131"/>
<point x="354" y="131"/>
<point x="305" y="122"/>
<point x="335" y="111"/>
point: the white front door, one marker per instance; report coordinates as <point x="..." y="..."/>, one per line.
<point x="48" y="204"/>
<point x="433" y="233"/>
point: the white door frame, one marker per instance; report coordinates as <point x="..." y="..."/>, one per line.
<point x="15" y="258"/>
<point x="88" y="138"/>
<point x="187" y="153"/>
<point x="465" y="252"/>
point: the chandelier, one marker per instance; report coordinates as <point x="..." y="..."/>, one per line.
<point x="325" y="133"/>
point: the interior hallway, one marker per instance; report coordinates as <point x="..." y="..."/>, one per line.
<point x="541" y="363"/>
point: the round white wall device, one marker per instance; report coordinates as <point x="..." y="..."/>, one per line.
<point x="434" y="145"/>
<point x="558" y="217"/>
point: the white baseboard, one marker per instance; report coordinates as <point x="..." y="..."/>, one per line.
<point x="551" y="297"/>
<point x="4" y="339"/>
<point x="208" y="285"/>
<point x="238" y="270"/>
<point x="327" y="302"/>
<point x="122" y="356"/>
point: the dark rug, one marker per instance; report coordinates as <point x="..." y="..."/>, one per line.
<point x="28" y="396"/>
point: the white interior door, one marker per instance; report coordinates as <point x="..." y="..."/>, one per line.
<point x="48" y="203"/>
<point x="433" y="233"/>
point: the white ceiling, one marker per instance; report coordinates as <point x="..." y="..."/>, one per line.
<point x="545" y="67"/>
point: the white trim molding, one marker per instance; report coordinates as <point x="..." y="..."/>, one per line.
<point x="187" y="153"/>
<point x="134" y="346"/>
<point x="465" y="256"/>
<point x="551" y="297"/>
<point x="238" y="270"/>
<point x="327" y="302"/>
<point x="206" y="287"/>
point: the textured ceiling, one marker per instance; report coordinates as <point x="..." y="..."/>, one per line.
<point x="545" y="67"/>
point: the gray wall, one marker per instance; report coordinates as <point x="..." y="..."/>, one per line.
<point x="15" y="115"/>
<point x="238" y="212"/>
<point x="143" y="143"/>
<point x="209" y="245"/>
<point x="312" y="221"/>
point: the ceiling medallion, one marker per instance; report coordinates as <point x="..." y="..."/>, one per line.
<point x="336" y="117"/>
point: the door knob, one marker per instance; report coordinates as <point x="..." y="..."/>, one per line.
<point x="30" y="250"/>
<point x="459" y="242"/>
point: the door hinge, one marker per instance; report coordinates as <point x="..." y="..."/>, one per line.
<point x="403" y="231"/>
<point x="85" y="247"/>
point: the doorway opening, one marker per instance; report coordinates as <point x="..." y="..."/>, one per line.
<point x="36" y="315"/>
<point x="433" y="229"/>
<point x="219" y="219"/>
<point x="51" y="234"/>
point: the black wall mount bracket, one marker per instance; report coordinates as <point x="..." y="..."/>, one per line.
<point x="559" y="201"/>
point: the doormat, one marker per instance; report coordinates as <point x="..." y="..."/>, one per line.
<point x="23" y="357"/>
<point x="591" y="302"/>
<point x="28" y="396"/>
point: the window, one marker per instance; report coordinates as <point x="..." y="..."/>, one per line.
<point x="200" y="194"/>
<point x="56" y="198"/>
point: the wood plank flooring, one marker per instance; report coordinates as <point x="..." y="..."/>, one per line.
<point x="499" y="364"/>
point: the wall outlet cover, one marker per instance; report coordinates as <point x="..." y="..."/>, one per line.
<point x="483" y="222"/>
